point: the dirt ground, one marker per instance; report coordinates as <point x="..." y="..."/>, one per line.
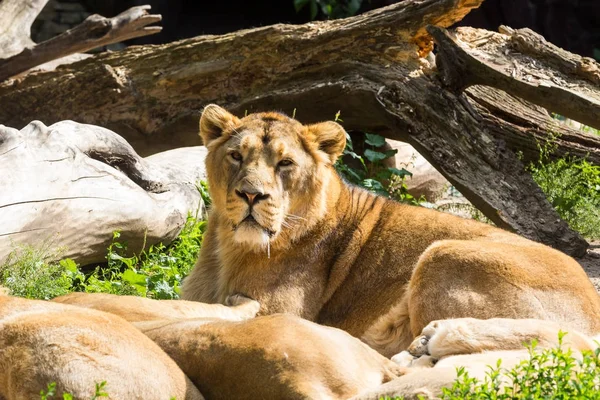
<point x="591" y="264"/>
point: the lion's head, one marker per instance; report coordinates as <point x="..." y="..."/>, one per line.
<point x="268" y="173"/>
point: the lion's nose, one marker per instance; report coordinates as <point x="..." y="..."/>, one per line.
<point x="251" y="197"/>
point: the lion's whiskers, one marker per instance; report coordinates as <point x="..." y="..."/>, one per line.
<point x="296" y="217"/>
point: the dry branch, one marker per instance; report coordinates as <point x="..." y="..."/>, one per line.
<point x="366" y="66"/>
<point x="95" y="31"/>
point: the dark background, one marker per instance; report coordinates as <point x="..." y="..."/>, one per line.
<point x="571" y="24"/>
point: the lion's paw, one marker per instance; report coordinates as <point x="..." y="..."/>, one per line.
<point x="420" y="346"/>
<point x="405" y="359"/>
<point x="247" y="306"/>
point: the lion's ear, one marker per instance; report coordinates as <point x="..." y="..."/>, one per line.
<point x="214" y="121"/>
<point x="330" y="137"/>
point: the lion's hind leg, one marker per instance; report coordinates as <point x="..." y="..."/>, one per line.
<point x="486" y="279"/>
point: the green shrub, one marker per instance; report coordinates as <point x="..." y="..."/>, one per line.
<point x="572" y="185"/>
<point x="156" y="273"/>
<point x="548" y="374"/>
<point x="371" y="173"/>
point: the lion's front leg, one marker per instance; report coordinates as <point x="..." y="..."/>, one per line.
<point x="443" y="338"/>
<point x="246" y="307"/>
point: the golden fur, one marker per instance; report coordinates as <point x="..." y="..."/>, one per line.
<point x="43" y="342"/>
<point x="273" y="357"/>
<point x="335" y="254"/>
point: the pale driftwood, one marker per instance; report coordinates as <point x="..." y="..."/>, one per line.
<point x="368" y="67"/>
<point x="18" y="53"/>
<point x="71" y="185"/>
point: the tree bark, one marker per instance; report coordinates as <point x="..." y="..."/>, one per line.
<point x="369" y="67"/>
<point x="523" y="64"/>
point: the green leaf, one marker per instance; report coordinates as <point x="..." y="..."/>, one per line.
<point x="69" y="265"/>
<point x="349" y="142"/>
<point x="313" y="9"/>
<point x="132" y="277"/>
<point x="374" y="186"/>
<point x="391" y="153"/>
<point x="374" y="140"/>
<point x="374" y="156"/>
<point x="300" y="4"/>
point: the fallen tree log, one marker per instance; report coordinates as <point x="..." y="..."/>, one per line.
<point x="369" y="67"/>
<point x="72" y="185"/>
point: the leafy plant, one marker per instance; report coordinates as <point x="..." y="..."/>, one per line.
<point x="550" y="374"/>
<point x="572" y="185"/>
<point x="50" y="392"/>
<point x="329" y="8"/>
<point x="202" y="187"/>
<point x="156" y="273"/>
<point x="371" y="174"/>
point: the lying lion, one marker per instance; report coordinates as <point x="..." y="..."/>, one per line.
<point x="282" y="356"/>
<point x="229" y="357"/>
<point x="43" y="343"/>
<point x="285" y="230"/>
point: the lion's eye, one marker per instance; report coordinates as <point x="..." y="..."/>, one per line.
<point x="236" y="155"/>
<point x="285" y="162"/>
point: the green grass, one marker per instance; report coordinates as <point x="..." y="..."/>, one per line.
<point x="156" y="273"/>
<point x="27" y="272"/>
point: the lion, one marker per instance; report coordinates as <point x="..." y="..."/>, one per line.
<point x="229" y="354"/>
<point x="287" y="231"/>
<point x="76" y="348"/>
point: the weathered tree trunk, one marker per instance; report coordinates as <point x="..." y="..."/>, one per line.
<point x="70" y="186"/>
<point x="369" y="67"/>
